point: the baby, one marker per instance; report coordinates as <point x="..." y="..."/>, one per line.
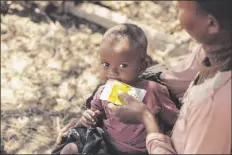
<point x="122" y="55"/>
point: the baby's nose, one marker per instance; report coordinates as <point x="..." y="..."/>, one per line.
<point x="114" y="70"/>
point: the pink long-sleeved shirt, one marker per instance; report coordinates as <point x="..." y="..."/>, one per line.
<point x="204" y="122"/>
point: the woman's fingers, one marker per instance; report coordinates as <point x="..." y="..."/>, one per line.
<point x="128" y="113"/>
<point x="125" y="98"/>
<point x="111" y="106"/>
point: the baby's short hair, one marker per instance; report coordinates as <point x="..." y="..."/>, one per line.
<point x="133" y="33"/>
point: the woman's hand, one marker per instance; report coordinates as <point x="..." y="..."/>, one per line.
<point x="134" y="112"/>
<point x="131" y="112"/>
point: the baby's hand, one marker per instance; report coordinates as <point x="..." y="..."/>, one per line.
<point x="64" y="130"/>
<point x="89" y="118"/>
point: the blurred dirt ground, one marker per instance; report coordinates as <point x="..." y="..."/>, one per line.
<point x="49" y="67"/>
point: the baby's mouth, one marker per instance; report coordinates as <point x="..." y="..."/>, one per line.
<point x="113" y="78"/>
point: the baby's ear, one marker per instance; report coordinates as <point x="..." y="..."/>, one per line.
<point x="143" y="66"/>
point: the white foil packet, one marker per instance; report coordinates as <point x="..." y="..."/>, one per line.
<point x="114" y="87"/>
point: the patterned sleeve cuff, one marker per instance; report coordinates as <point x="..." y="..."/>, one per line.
<point x="158" y="136"/>
<point x="158" y="143"/>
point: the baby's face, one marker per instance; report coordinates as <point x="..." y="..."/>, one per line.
<point x="119" y="61"/>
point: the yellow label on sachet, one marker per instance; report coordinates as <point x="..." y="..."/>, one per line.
<point x="114" y="87"/>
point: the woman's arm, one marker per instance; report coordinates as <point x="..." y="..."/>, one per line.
<point x="180" y="73"/>
<point x="149" y="122"/>
<point x="156" y="142"/>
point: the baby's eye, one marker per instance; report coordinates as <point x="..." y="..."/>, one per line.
<point x="105" y="64"/>
<point x="123" y="65"/>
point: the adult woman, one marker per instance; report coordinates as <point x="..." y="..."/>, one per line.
<point x="204" y="82"/>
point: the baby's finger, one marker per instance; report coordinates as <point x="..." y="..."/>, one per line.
<point x="58" y="140"/>
<point x="97" y="112"/>
<point x="66" y="128"/>
<point x="90" y="112"/>
<point x="88" y="117"/>
<point x="65" y="133"/>
<point x="85" y="121"/>
<point x="86" y="124"/>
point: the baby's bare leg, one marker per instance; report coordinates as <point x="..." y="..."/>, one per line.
<point x="70" y="148"/>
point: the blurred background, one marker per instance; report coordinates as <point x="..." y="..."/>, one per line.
<point x="49" y="62"/>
